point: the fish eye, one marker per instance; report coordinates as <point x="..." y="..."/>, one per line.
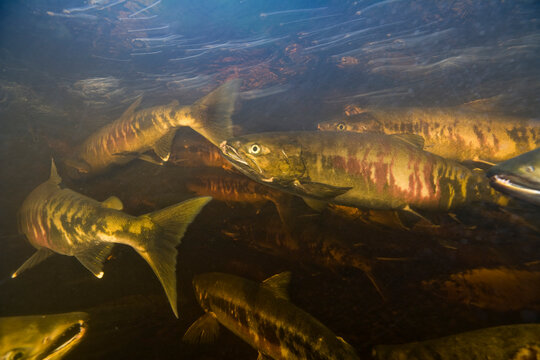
<point x="530" y="168"/>
<point x="254" y="149"/>
<point x="340" y="126"/>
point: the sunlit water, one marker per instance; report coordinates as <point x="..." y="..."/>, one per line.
<point x="70" y="67"/>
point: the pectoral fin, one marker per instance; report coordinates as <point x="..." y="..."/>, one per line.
<point x="317" y="205"/>
<point x="150" y="159"/>
<point x="203" y="331"/>
<point x="93" y="258"/>
<point x="261" y="356"/>
<point x="320" y="190"/>
<point x="278" y="284"/>
<point x="163" y="146"/>
<point x="35" y="259"/>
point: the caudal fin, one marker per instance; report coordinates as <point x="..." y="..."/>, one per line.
<point x="213" y="112"/>
<point x="160" y="252"/>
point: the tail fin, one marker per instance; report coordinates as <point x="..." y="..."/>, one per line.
<point x="160" y="253"/>
<point x="213" y="112"/>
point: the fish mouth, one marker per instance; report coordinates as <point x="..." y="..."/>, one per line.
<point x="65" y="341"/>
<point x="232" y="154"/>
<point x="240" y="163"/>
<point x="515" y="185"/>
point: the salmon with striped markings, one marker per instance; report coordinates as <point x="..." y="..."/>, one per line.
<point x="137" y="132"/>
<point x="365" y="170"/>
<point x="59" y="220"/>
<point x="263" y="316"/>
<point x="454" y="133"/>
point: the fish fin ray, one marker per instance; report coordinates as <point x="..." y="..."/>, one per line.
<point x="35" y="259"/>
<point x="278" y="284"/>
<point x="93" y="258"/>
<point x="408" y="210"/>
<point x="320" y="190"/>
<point x="262" y="356"/>
<point x="131" y="109"/>
<point x="317" y="205"/>
<point x="163" y="146"/>
<point x="203" y="331"/>
<point x="54" y="178"/>
<point x="213" y="112"/>
<point x="113" y="202"/>
<point x="127" y="155"/>
<point x="161" y="253"/>
<point x="149" y="159"/>
<point x="412" y="139"/>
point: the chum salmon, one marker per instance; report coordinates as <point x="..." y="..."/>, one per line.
<point x="56" y="219"/>
<point x="137" y="132"/>
<point x="510" y="342"/>
<point x="454" y="133"/>
<point x="49" y="336"/>
<point x="263" y="316"/>
<point x="365" y="170"/>
<point x="519" y="176"/>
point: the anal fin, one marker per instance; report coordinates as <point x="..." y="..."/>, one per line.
<point x="35" y="259"/>
<point x="93" y="258"/>
<point x="203" y="331"/>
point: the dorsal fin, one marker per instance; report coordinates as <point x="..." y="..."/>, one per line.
<point x="131" y="109"/>
<point x="113" y="202"/>
<point x="413" y="139"/>
<point x="54" y="178"/>
<point x="278" y="284"/>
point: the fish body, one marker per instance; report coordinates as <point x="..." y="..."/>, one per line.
<point x="453" y="133"/>
<point x="493" y="289"/>
<point x="41" y="336"/>
<point x="137" y="132"/>
<point x="519" y="176"/>
<point x="511" y="342"/>
<point x="263" y="317"/>
<point x="365" y="170"/>
<point x="234" y="188"/>
<point x="59" y="220"/>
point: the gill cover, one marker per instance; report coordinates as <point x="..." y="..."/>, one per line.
<point x="274" y="159"/>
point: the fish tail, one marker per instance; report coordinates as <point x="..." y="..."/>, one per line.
<point x="160" y="253"/>
<point x="212" y="114"/>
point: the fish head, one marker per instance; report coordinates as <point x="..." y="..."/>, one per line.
<point x="363" y="122"/>
<point x="269" y="158"/>
<point x="519" y="176"/>
<point x="42" y="336"/>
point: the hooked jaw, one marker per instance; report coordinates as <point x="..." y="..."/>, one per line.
<point x="241" y="164"/>
<point x="516" y="186"/>
<point x="231" y="153"/>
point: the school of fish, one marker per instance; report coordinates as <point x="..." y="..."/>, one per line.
<point x="381" y="162"/>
